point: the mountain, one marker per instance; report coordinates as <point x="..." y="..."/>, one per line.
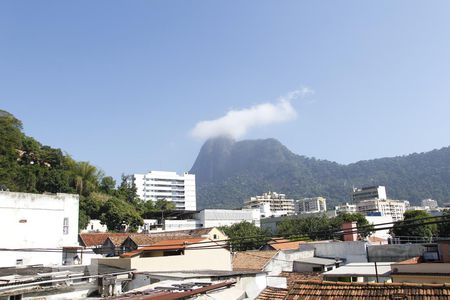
<point x="229" y="171"/>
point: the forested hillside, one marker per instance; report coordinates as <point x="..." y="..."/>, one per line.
<point x="28" y="166"/>
<point x="228" y="172"/>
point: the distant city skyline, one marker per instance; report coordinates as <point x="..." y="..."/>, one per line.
<point x="128" y="92"/>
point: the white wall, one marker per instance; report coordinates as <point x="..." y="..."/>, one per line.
<point x="36" y="221"/>
<point x="350" y="251"/>
<point x="95" y="226"/>
<point x="226" y="217"/>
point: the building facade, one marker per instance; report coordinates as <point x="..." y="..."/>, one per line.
<point x="311" y="205"/>
<point x="31" y="221"/>
<point x="345" y="208"/>
<point x="430" y="203"/>
<point x="393" y="208"/>
<point x="179" y="189"/>
<point x="279" y="204"/>
<point x="370" y="192"/>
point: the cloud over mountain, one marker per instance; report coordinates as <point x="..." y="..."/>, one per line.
<point x="236" y="123"/>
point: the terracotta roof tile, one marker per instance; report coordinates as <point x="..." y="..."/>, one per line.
<point x="315" y="290"/>
<point x="97" y="239"/>
<point x="293" y="277"/>
<point x="271" y="293"/>
<point x="283" y="245"/>
<point x="117" y="240"/>
<point x="165" y="245"/>
<point x="252" y="260"/>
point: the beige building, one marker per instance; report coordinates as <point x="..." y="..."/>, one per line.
<point x="393" y="208"/>
<point x="279" y="204"/>
<point x="311" y="205"/>
<point x="187" y="254"/>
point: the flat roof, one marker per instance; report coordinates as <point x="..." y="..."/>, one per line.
<point x="361" y="269"/>
<point x="318" y="261"/>
<point x="201" y="274"/>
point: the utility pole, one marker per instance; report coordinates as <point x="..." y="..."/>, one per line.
<point x="376" y="272"/>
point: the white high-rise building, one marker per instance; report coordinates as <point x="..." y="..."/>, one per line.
<point x="370" y="192"/>
<point x="179" y="189"/>
<point x="311" y="205"/>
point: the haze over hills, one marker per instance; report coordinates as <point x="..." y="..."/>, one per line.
<point x="230" y="171"/>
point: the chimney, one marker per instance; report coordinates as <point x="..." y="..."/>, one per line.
<point x="350" y="232"/>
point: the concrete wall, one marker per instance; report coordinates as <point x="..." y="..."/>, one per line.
<point x="283" y="261"/>
<point x="194" y="259"/>
<point x="37" y="221"/>
<point x="350" y="251"/>
<point x="226" y="217"/>
<point x="398" y="252"/>
<point x="304" y="267"/>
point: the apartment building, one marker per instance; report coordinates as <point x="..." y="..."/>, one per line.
<point x="279" y="204"/>
<point x="345" y="208"/>
<point x="370" y="192"/>
<point x="179" y="189"/>
<point x="393" y="208"/>
<point x="430" y="203"/>
<point x="311" y="205"/>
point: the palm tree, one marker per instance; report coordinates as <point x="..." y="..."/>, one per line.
<point x="86" y="178"/>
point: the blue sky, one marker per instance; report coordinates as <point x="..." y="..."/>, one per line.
<point x="122" y="83"/>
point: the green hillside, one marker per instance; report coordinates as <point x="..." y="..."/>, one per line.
<point x="228" y="172"/>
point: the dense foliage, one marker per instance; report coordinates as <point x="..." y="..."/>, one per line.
<point x="229" y="172"/>
<point x="245" y="236"/>
<point x="321" y="227"/>
<point x="28" y="166"/>
<point x="415" y="229"/>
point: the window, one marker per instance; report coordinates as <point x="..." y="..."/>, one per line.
<point x="66" y="226"/>
<point x="215" y="237"/>
<point x="19" y="262"/>
<point x="317" y="269"/>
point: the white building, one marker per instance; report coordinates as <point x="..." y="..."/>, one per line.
<point x="345" y="208"/>
<point x="311" y="205"/>
<point x="430" y="203"/>
<point x="38" y="221"/>
<point x="179" y="189"/>
<point x="370" y="192"/>
<point x="279" y="205"/>
<point x="226" y="217"/>
<point x="393" y="208"/>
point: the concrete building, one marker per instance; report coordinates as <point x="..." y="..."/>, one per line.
<point x="370" y="192"/>
<point x="345" y="208"/>
<point x="227" y="217"/>
<point x="393" y="208"/>
<point x="279" y="204"/>
<point x="311" y="205"/>
<point x="179" y="189"/>
<point x="430" y="203"/>
<point x="38" y="221"/>
<point x="174" y="255"/>
<point x="360" y="272"/>
<point x="316" y="264"/>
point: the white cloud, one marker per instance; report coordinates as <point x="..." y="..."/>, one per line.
<point x="236" y="123"/>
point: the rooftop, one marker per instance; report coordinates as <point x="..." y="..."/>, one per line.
<point x="318" y="260"/>
<point x="252" y="260"/>
<point x="271" y="293"/>
<point x="311" y="290"/>
<point x="361" y="269"/>
<point x="176" y="244"/>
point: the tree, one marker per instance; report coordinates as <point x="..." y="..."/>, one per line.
<point x="415" y="229"/>
<point x="312" y="227"/>
<point x="107" y="184"/>
<point x="245" y="236"/>
<point x="116" y="214"/>
<point x="85" y="178"/>
<point x="164" y="205"/>
<point x="444" y="228"/>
